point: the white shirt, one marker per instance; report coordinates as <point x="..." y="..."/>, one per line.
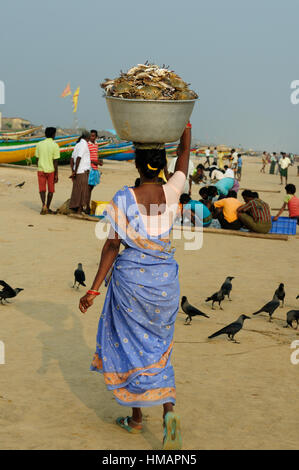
<point x="229" y="173"/>
<point x="216" y="174"/>
<point x="284" y="163"/>
<point x="207" y="152"/>
<point x="75" y="154"/>
<point x="83" y="152"/>
<point x="190" y="172"/>
<point x="235" y="157"/>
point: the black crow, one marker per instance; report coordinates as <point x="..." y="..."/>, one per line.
<point x="8" y="292"/>
<point x="227" y="286"/>
<point x="20" y="185"/>
<point x="292" y="315"/>
<point x="217" y="297"/>
<point x="270" y="307"/>
<point x="190" y="310"/>
<point x="232" y="329"/>
<point x="280" y="293"/>
<point x="79" y="276"/>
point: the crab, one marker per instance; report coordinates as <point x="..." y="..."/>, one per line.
<point x="149" y="82"/>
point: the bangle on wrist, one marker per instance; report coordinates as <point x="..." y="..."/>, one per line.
<point x="188" y="126"/>
<point x="93" y="292"/>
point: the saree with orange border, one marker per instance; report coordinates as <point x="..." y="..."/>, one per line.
<point x="135" y="333"/>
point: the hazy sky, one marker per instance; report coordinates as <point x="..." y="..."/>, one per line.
<point x="240" y="56"/>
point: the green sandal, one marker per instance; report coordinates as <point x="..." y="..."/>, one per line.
<point x="124" y="423"/>
<point x="172" y="432"/>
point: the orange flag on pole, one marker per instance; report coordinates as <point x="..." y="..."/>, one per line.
<point x="75" y="99"/>
<point x="66" y="91"/>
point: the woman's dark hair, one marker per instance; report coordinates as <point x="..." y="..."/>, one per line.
<point x="255" y="195"/>
<point x="290" y="188"/>
<point x="50" y="132"/>
<point x="200" y="167"/>
<point x="146" y="158"/>
<point x="137" y="182"/>
<point x="185" y="198"/>
<point x="232" y="193"/>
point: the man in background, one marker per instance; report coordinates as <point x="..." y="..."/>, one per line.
<point x="255" y="213"/>
<point x="207" y="152"/>
<point x="284" y="164"/>
<point x="80" y="196"/>
<point x="239" y="167"/>
<point x="226" y="211"/>
<point x="47" y="153"/>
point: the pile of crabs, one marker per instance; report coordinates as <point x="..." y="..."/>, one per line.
<point x="149" y="82"/>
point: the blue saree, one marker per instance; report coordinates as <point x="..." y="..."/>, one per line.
<point x="135" y="333"/>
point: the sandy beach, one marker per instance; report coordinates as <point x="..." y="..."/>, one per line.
<point x="229" y="396"/>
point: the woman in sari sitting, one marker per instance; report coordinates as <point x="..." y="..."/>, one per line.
<point x="136" y="327"/>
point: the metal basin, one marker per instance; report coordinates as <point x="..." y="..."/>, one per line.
<point x="149" y="121"/>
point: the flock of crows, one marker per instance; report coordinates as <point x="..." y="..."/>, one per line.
<point x="233" y="328"/>
<point x="230" y="330"/>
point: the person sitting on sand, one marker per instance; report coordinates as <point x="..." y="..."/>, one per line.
<point x="217" y="174"/>
<point x="255" y="213"/>
<point x="226" y="211"/>
<point x="47" y="153"/>
<point x="212" y="193"/>
<point x="291" y="202"/>
<point x="195" y="211"/>
<point x="224" y="185"/>
<point x="204" y="193"/>
<point x="198" y="175"/>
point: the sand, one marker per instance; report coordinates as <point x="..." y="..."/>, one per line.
<point x="229" y="396"/>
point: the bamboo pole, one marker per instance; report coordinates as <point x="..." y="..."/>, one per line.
<point x="263" y="190"/>
<point x="267" y="236"/>
<point x="83" y="217"/>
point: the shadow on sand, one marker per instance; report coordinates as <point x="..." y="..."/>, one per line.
<point x="67" y="346"/>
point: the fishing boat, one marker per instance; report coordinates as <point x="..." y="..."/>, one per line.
<point x="17" y="153"/>
<point x="16" y="135"/>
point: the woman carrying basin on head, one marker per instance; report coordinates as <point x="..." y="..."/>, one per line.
<point x="136" y="327"/>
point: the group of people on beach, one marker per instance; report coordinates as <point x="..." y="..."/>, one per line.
<point x="254" y="215"/>
<point x="216" y="159"/>
<point x="279" y="164"/>
<point x="84" y="170"/>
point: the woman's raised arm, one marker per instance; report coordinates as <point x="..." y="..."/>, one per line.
<point x="182" y="162"/>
